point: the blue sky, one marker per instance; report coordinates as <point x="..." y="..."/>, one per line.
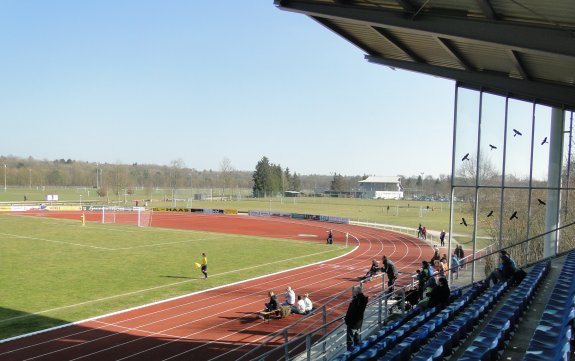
<point x="129" y="81"/>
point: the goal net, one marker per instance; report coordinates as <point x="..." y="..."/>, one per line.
<point x="138" y="216"/>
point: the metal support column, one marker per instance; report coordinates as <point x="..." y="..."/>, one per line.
<point x="553" y="182"/>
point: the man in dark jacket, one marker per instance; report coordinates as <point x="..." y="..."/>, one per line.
<point x="505" y="271"/>
<point x="354" y="317"/>
<point x="390" y="271"/>
<point x="439" y="296"/>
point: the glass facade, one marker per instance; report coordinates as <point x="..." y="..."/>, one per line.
<point x="512" y="177"/>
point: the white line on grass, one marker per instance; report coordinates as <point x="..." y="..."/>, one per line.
<point x="156" y="288"/>
<point x="54" y="241"/>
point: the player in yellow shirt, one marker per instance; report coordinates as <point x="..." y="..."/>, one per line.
<point x="205" y="265"/>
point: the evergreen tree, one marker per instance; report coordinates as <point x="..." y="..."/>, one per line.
<point x="338" y="183"/>
<point x="262" y="177"/>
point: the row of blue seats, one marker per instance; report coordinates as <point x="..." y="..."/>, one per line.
<point x="551" y="340"/>
<point x="425" y="321"/>
<point x="460" y="326"/>
<point x="492" y="338"/>
<point x="412" y="344"/>
<point x="384" y="331"/>
<point x="403" y="350"/>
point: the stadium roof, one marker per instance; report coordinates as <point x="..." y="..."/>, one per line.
<point x="521" y="48"/>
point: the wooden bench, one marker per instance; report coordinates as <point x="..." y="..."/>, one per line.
<point x="267" y="315"/>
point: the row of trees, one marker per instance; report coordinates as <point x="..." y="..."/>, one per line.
<point x="267" y="179"/>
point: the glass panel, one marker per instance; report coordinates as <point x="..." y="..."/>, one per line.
<point x="515" y="218"/>
<point x="542" y="132"/>
<point x="488" y="218"/>
<point x="462" y="229"/>
<point x="465" y="147"/>
<point x="567" y="210"/>
<point x="567" y="234"/>
<point x="492" y="137"/>
<point x="518" y="147"/>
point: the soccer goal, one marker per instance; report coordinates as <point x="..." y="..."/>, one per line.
<point x="138" y="216"/>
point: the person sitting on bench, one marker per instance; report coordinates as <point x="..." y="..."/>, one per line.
<point x="273" y="304"/>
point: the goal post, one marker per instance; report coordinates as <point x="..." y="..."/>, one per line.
<point x="138" y="216"/>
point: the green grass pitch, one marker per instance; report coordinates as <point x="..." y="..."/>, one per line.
<point x="54" y="271"/>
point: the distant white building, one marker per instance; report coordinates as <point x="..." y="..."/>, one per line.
<point x="381" y="188"/>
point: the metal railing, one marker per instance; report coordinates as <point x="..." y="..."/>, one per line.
<point x="324" y="338"/>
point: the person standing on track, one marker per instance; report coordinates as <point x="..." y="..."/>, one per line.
<point x="205" y="265"/>
<point x="442" y="237"/>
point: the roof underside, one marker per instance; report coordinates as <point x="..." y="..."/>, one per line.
<point x="521" y="48"/>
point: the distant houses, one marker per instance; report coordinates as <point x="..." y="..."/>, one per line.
<point x="381" y="188"/>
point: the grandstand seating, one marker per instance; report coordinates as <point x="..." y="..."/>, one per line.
<point x="431" y="335"/>
<point x="491" y="339"/>
<point x="551" y="340"/>
<point x="407" y="332"/>
<point x="426" y="335"/>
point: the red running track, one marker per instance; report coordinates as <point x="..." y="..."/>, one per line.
<point x="220" y="323"/>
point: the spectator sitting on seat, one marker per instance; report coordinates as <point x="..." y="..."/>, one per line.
<point x="439" y="295"/>
<point x="505" y="271"/>
<point x="290" y="297"/>
<point x="273" y="303"/>
<point x="299" y="307"/>
<point x="308" y="303"/>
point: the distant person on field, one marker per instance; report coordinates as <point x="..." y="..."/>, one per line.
<point x="329" y="237"/>
<point x="354" y="317"/>
<point x="204" y="267"/>
<point x="442" y="237"/>
<point x="419" y="230"/>
<point x="424" y="232"/>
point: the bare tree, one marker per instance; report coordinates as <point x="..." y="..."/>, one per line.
<point x="176" y="168"/>
<point x="226" y="174"/>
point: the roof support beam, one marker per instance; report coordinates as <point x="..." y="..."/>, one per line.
<point x="518" y="64"/>
<point x="452" y="49"/>
<point x="407" y="6"/>
<point x="487" y="9"/>
<point x="523" y="38"/>
<point x="555" y="95"/>
<point x="398" y="44"/>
